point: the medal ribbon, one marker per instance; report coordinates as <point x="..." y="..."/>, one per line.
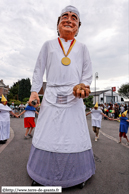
<point x="70" y="47"/>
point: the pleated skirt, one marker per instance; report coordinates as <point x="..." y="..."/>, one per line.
<point x="60" y="169"/>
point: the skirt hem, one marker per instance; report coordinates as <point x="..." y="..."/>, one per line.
<point x="63" y="184"/>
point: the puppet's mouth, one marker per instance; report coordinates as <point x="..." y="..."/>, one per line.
<point x="68" y="26"/>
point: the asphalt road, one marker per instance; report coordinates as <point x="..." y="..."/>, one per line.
<point x="111" y="159"/>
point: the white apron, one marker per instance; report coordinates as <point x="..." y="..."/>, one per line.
<point x="62" y="125"/>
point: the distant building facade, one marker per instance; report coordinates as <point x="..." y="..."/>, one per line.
<point x="106" y="96"/>
<point x="3" y="89"/>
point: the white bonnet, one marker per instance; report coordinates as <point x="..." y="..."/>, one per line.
<point x="72" y="9"/>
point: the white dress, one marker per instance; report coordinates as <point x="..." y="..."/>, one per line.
<point x="4" y="122"/>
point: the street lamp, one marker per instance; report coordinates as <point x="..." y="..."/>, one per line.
<point x="96" y="77"/>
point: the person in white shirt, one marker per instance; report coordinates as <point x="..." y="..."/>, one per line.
<point x="61" y="138"/>
<point x="21" y="107"/>
<point x="12" y="106"/>
<point x="122" y="108"/>
<point x="96" y="117"/>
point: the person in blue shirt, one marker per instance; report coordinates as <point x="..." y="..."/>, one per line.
<point x="124" y="124"/>
<point x="29" y="120"/>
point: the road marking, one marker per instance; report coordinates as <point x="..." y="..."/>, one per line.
<point x="2" y="147"/>
<point x="112" y="138"/>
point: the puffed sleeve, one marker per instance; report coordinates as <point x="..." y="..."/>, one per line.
<point x="87" y="68"/>
<point x="37" y="79"/>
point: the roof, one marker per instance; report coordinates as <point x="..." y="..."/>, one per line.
<point x="97" y="93"/>
<point x="2" y="84"/>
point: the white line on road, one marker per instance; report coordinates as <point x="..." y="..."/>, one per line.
<point x="112" y="138"/>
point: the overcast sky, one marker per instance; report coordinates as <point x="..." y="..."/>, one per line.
<point x="26" y="24"/>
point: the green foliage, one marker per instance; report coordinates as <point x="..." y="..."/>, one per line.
<point x="13" y="92"/>
<point x="14" y="88"/>
<point x="16" y="102"/>
<point x="20" y="90"/>
<point x="24" y="89"/>
<point x="10" y="96"/>
<point x="25" y="99"/>
<point x="88" y="101"/>
<point x="124" y="90"/>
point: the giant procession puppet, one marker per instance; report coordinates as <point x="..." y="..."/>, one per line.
<point x="61" y="152"/>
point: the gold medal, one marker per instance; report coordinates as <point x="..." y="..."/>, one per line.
<point x="65" y="61"/>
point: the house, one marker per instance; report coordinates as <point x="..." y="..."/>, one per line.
<point x="106" y="96"/>
<point x="42" y="90"/>
<point x="3" y="89"/>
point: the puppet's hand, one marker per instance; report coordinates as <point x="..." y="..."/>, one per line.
<point x="34" y="96"/>
<point x="81" y="91"/>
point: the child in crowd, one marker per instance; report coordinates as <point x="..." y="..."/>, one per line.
<point x="124" y="124"/>
<point x="96" y="116"/>
<point x="29" y="123"/>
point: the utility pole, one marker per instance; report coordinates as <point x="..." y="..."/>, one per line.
<point x="96" y="77"/>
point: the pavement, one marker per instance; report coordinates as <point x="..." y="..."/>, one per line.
<point x="111" y="159"/>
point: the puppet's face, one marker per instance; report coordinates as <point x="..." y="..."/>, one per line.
<point x="123" y="115"/>
<point x="68" y="24"/>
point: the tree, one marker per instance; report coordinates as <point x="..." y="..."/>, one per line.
<point x="124" y="90"/>
<point x="24" y="89"/>
<point x="20" y="90"/>
<point x="13" y="92"/>
<point x="88" y="101"/>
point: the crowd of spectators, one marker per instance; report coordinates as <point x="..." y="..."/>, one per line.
<point x="114" y="110"/>
<point x="111" y="110"/>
